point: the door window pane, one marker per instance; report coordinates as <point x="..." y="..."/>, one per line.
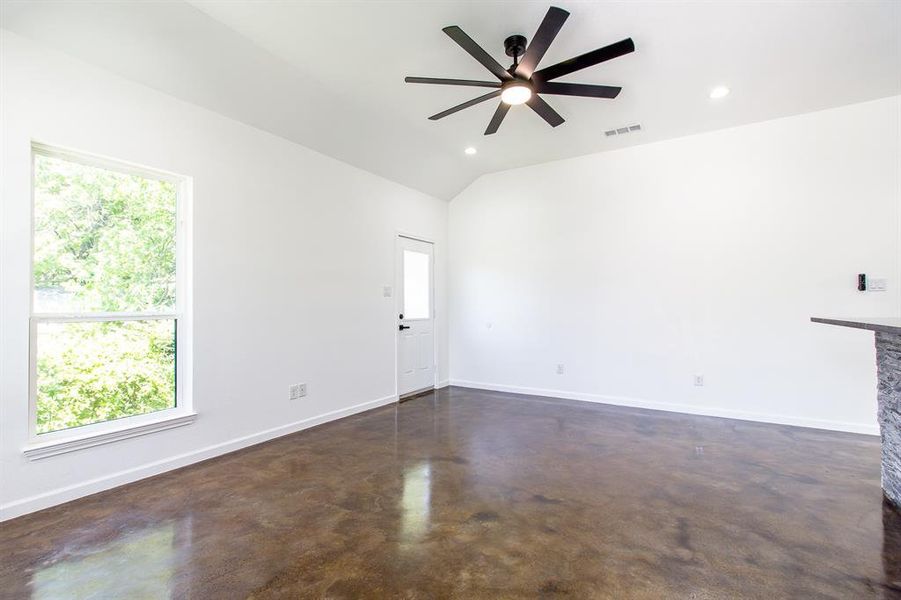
<point x="104" y="241"/>
<point x="88" y="372"/>
<point x="416" y="285"/>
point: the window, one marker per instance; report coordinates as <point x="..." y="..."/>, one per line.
<point x="107" y="327"/>
<point x="416" y="285"/>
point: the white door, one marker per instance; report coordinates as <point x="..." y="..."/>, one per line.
<point x="416" y="316"/>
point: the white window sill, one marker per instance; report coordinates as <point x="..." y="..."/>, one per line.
<point x="41" y="450"/>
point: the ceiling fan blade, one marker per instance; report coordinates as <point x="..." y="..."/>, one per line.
<point x="498" y="117"/>
<point x="466" y="104"/>
<point x="476" y="51"/>
<point x="541" y="41"/>
<point x="437" y="81"/>
<point x="586" y="60"/>
<point x="545" y="111"/>
<point x="578" y="89"/>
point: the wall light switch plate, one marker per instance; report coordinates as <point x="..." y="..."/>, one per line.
<point x="877" y="284"/>
<point x="387" y="291"/>
<point x="699" y="380"/>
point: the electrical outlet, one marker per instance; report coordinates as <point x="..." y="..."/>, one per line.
<point x="297" y="390"/>
<point x="561" y="369"/>
<point x="699" y="380"/>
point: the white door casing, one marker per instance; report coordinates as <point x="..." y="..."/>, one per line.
<point x="415" y="316"/>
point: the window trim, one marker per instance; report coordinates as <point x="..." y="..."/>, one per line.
<point x="137" y="426"/>
<point x="75" y="438"/>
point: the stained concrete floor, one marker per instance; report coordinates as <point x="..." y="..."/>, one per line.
<point x="470" y="494"/>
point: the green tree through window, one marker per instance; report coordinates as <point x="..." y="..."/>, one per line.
<point x="104" y="255"/>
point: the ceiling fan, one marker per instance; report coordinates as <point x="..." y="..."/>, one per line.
<point x="521" y="83"/>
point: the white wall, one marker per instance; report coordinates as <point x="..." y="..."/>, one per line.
<point x="639" y="268"/>
<point x="291" y="250"/>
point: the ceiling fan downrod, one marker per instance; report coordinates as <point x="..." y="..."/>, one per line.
<point x="515" y="46"/>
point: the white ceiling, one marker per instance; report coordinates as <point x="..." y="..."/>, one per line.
<point x="329" y="75"/>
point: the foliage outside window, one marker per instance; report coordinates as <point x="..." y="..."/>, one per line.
<point x="105" y="305"/>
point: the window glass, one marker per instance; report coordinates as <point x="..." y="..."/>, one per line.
<point x="104" y="241"/>
<point x="105" y="316"/>
<point x="88" y="372"/>
<point x="416" y="285"/>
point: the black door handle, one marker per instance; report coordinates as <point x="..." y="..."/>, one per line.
<point x="402" y="327"/>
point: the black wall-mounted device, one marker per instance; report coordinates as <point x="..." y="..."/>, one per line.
<point x="862" y="282"/>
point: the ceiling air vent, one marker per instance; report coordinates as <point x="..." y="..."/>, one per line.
<point x="623" y="130"/>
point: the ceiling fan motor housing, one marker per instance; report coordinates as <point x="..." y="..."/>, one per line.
<point x="515" y="45"/>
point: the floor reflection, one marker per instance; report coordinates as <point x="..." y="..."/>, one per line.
<point x="416" y="502"/>
<point x="485" y="495"/>
<point x="138" y="564"/>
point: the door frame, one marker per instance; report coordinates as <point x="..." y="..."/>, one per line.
<point x="398" y="234"/>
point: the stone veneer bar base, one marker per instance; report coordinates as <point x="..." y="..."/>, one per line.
<point x="888" y="371"/>
<point x="888" y="364"/>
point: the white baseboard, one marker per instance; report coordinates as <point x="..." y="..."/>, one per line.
<point x="727" y="413"/>
<point x="72" y="492"/>
<point x="442" y="384"/>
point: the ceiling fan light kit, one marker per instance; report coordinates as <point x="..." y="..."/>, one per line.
<point x="522" y="83"/>
<point x="516" y="92"/>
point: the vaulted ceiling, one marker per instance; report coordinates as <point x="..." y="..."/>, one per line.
<point x="329" y="75"/>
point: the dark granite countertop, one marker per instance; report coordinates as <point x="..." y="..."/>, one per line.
<point x="884" y="324"/>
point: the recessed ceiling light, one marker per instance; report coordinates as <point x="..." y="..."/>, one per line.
<point x="719" y="91"/>
<point x="470" y="151"/>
